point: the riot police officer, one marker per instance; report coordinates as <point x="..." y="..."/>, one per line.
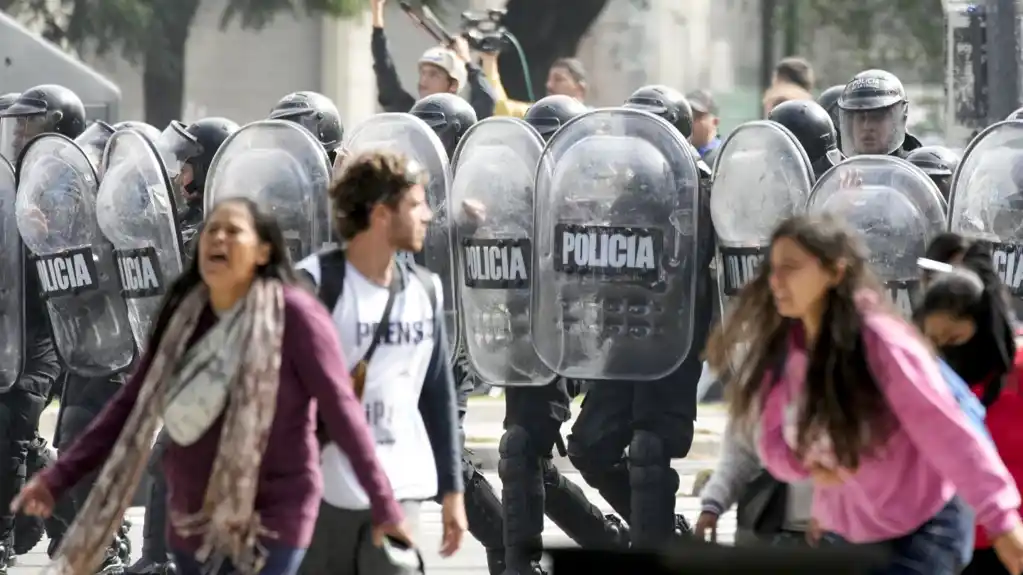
<point x="548" y="114"/>
<point x="316" y="113"/>
<point x="673" y="107"/>
<point x="200" y="143"/>
<point x="654" y="419"/>
<point x="531" y="483"/>
<point x="39" y="110"/>
<point x="939" y="163"/>
<point x="448" y="115"/>
<point x="872" y="116"/>
<point x="811" y="125"/>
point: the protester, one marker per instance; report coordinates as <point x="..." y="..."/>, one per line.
<point x="403" y="374"/>
<point x="565" y="77"/>
<point x="769" y="510"/>
<point x="237" y="356"/>
<point x="705" y="125"/>
<point x="841" y="390"/>
<point x="966" y="316"/>
<point x="793" y="80"/>
<point x="441" y="69"/>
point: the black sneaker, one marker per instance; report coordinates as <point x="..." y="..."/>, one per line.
<point x="615" y="523"/>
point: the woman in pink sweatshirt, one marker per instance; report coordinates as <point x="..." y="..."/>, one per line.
<point x="841" y="390"/>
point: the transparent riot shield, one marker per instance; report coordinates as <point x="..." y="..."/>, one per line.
<point x="281" y="166"/>
<point x="987" y="199"/>
<point x="896" y="207"/>
<point x="762" y="176"/>
<point x="93" y="141"/>
<point x="73" y="261"/>
<point x="491" y="207"/>
<point x="411" y="136"/>
<point x="12" y="286"/>
<point x="615" y="254"/>
<point x="136" y="212"/>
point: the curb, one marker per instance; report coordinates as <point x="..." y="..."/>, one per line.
<point x="486" y="456"/>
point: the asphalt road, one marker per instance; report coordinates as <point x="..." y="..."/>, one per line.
<point x="471" y="560"/>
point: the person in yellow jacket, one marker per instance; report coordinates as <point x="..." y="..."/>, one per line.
<point x="566" y="76"/>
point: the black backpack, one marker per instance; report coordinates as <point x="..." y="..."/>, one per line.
<point x="332" y="283"/>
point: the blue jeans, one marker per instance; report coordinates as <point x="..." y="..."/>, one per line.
<point x="941" y="546"/>
<point x="281" y="560"/>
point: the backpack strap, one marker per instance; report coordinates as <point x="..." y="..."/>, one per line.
<point x="332" y="277"/>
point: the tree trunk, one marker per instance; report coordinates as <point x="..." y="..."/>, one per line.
<point x="547" y="30"/>
<point x="163" y="66"/>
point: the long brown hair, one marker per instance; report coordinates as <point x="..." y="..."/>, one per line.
<point x="841" y="396"/>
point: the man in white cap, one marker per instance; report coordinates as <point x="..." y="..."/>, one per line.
<point x="441" y="69"/>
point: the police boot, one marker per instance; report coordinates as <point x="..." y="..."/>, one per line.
<point x="654" y="484"/>
<point x="124" y="540"/>
<point x="572" y="512"/>
<point x="522" y="495"/>
<point x="154" y="557"/>
<point x="112" y="564"/>
<point x="482" y="509"/>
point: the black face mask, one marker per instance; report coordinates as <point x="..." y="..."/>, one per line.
<point x="973" y="360"/>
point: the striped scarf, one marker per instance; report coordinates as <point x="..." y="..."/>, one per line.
<point x="228" y="523"/>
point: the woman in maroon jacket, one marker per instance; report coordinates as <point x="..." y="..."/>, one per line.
<point x="967" y="316"/>
<point x="237" y="356"/>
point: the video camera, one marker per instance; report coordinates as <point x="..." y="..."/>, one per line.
<point x="484" y="30"/>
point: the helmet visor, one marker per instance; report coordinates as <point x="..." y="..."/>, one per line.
<point x="878" y="131"/>
<point x="16" y="131"/>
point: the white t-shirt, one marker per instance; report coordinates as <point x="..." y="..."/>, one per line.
<point x="394" y="381"/>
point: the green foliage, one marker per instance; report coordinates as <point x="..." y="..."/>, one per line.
<point x="257" y="14"/>
<point x="907" y="32"/>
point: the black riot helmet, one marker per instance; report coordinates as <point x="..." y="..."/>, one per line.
<point x="938" y="162"/>
<point x="449" y="115"/>
<point x="549" y="114"/>
<point x="665" y="102"/>
<point x="1015" y="116"/>
<point x="44" y="109"/>
<point x="829" y="101"/>
<point x="873" y="110"/>
<point x="208" y="135"/>
<point x="314" y="112"/>
<point x="810" y="124"/>
<point x="148" y="130"/>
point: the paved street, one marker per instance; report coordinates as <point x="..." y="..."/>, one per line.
<point x="470" y="561"/>
<point x="483" y="430"/>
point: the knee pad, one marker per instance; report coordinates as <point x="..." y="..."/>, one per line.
<point x="649" y="461"/>
<point x="516" y="451"/>
<point x="581" y="457"/>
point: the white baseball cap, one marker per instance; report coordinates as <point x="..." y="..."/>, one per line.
<point x="447" y="60"/>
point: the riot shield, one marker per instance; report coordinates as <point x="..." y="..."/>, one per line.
<point x="898" y="212"/>
<point x="491" y="207"/>
<point x="281" y="166"/>
<point x="56" y="215"/>
<point x="93" y="141"/>
<point x="615" y="260"/>
<point x="987" y="199"/>
<point x="411" y="136"/>
<point x="12" y="286"/>
<point x="136" y="212"/>
<point x="762" y="176"/>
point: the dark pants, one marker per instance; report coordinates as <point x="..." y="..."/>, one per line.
<point x="154" y="529"/>
<point x="532" y="485"/>
<point x="935" y="548"/>
<point x="82" y="400"/>
<point x="280" y="561"/>
<point x="654" y="420"/>
<point x="482" y="507"/>
<point x="19" y="418"/>
<point x="343" y="543"/>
